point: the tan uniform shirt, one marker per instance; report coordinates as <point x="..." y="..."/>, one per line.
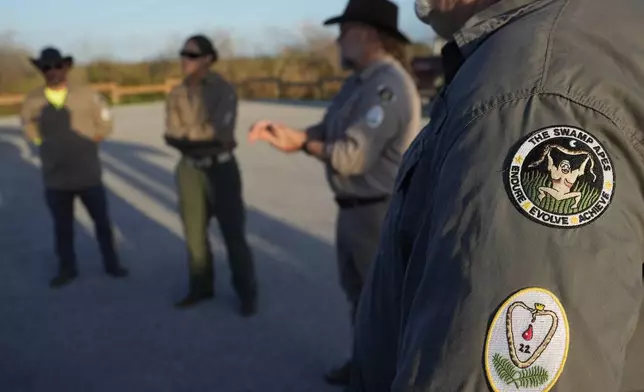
<point x="68" y="151"/>
<point x="202" y="117"/>
<point x="367" y="128"/>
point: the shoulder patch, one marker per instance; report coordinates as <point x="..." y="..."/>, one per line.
<point x="375" y="116"/>
<point x="228" y="118"/>
<point x="527" y="342"/>
<point x="106" y="115"/>
<point x="560" y="177"/>
<point x="386" y="94"/>
<point x="98" y="98"/>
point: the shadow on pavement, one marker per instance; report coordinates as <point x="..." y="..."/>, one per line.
<point x="288" y="102"/>
<point x="425" y="109"/>
<point x="104" y="335"/>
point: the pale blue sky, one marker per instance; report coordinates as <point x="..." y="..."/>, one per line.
<point x="136" y="29"/>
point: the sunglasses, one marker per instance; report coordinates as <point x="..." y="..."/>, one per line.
<point x="190" y="55"/>
<point x="49" y="67"/>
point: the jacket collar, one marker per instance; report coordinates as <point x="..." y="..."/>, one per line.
<point x="210" y="78"/>
<point x="368" y="72"/>
<point x="481" y="26"/>
<point x="491" y="19"/>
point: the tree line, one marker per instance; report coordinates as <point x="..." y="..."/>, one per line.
<point x="312" y="57"/>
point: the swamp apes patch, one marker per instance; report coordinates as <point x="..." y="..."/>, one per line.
<point x="561" y="177"/>
<point x="527" y="342"/>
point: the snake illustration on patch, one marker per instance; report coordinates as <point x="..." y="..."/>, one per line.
<point x="527" y="343"/>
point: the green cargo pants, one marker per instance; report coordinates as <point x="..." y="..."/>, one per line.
<point x="215" y="191"/>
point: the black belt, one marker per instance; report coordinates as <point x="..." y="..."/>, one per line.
<point x="209" y="161"/>
<point x="352" y="202"/>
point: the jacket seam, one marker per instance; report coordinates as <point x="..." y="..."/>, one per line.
<point x="549" y="45"/>
<point x="515" y="98"/>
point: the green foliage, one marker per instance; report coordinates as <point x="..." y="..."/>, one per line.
<point x="521" y="378"/>
<point x="532" y="377"/>
<point x="312" y="61"/>
<point x="143" y="98"/>
<point x="533" y="180"/>
<point x="504" y="368"/>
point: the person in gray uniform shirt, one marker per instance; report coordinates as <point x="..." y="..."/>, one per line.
<point x="361" y="139"/>
<point x="511" y="256"/>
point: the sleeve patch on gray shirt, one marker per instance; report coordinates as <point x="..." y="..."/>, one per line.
<point x="527" y="342"/>
<point x="105" y="114"/>
<point x="228" y="118"/>
<point x="375" y="116"/>
<point x="386" y="94"/>
<point x="560" y="177"/>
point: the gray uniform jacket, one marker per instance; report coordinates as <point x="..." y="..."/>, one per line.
<point x="511" y="257"/>
<point x="367" y="128"/>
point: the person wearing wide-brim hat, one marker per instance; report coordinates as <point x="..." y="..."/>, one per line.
<point x="361" y="139"/>
<point x="51" y="58"/>
<point x="380" y="14"/>
<point x="67" y="122"/>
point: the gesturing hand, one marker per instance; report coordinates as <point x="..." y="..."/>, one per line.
<point x="278" y="135"/>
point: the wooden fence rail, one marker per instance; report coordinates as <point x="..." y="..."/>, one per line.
<point x="116" y="92"/>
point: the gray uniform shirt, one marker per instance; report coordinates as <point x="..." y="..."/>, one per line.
<point x="367" y="128"/>
<point x="511" y="257"/>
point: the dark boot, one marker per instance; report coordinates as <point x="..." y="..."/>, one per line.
<point x="248" y="307"/>
<point x="62" y="279"/>
<point x="339" y="376"/>
<point x="194" y="299"/>
<point x="117" y="272"/>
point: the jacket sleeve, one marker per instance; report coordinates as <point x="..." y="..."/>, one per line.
<point x="102" y="114"/>
<point x="374" y="122"/>
<point x="531" y="254"/>
<point x="29" y="122"/>
<point x="174" y="126"/>
<point x="315" y="132"/>
<point x="223" y="118"/>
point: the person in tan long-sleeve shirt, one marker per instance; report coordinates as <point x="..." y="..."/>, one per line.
<point x="200" y="122"/>
<point x="67" y="122"/>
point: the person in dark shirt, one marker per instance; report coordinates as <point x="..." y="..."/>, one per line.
<point x="67" y="122"/>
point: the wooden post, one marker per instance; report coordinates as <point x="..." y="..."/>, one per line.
<point x="278" y="86"/>
<point x="116" y="94"/>
<point x="169" y="85"/>
<point x="321" y="91"/>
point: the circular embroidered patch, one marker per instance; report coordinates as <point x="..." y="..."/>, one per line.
<point x="374" y="116"/>
<point x="561" y="177"/>
<point x="527" y="342"/>
<point x="386" y="94"/>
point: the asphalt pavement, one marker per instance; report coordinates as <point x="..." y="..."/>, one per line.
<point x="101" y="335"/>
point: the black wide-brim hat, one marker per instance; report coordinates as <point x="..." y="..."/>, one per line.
<point x="380" y="14"/>
<point x="50" y="56"/>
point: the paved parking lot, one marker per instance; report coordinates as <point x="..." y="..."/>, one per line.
<point x="104" y="335"/>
